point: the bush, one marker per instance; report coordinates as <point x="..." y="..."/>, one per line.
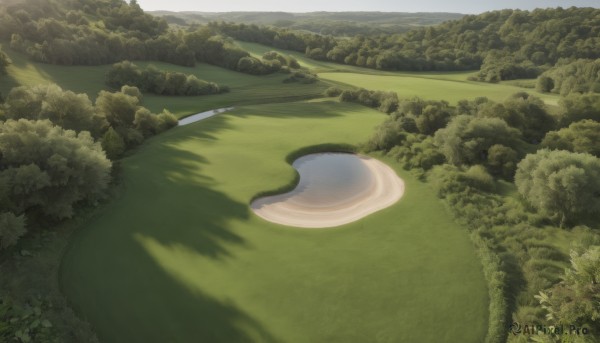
<point x="301" y="77"/>
<point x="12" y="227"/>
<point x="562" y="185"/>
<point x="502" y="161"/>
<point x="478" y="177"/>
<point x="545" y="84"/>
<point x="384" y="101"/>
<point x="48" y="170"/>
<point x="166" y="120"/>
<point x="126" y="74"/>
<point x="386" y="136"/>
<point x="333" y="92"/>
<point x="113" y="144"/>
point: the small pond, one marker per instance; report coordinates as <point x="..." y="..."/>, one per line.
<point x="334" y="189"/>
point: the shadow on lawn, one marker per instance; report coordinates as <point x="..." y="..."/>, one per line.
<point x="139" y="270"/>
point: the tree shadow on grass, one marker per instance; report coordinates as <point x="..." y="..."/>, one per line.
<point x="143" y="270"/>
<point x="137" y="272"/>
<point x="143" y="296"/>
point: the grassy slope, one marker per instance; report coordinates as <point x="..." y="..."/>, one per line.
<point x="450" y="86"/>
<point x="245" y="88"/>
<point x="181" y="258"/>
<point x="410" y="85"/>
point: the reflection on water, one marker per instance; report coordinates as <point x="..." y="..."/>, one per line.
<point x="331" y="178"/>
<point x="334" y="189"/>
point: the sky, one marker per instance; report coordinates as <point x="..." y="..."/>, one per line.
<point x="456" y="6"/>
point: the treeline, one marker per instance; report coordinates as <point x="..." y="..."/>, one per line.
<point x="56" y="148"/>
<point x="159" y="82"/>
<point x="4" y="62"/>
<point x="345" y="24"/>
<point x="553" y="162"/>
<point x="580" y="76"/>
<point x="109" y="31"/>
<point x="504" y="44"/>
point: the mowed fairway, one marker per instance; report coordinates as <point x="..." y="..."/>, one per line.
<point x="179" y="256"/>
<point x="451" y="87"/>
<point x="245" y="88"/>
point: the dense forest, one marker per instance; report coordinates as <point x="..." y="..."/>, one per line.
<point x="580" y="76"/>
<point x="158" y="82"/>
<point x="99" y="32"/>
<point x="504" y="45"/>
<point x="325" y="23"/>
<point x="507" y="44"/>
<point x="44" y="185"/>
<point x="469" y="151"/>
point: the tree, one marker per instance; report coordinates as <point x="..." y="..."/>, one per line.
<point x="581" y="136"/>
<point x="4" y="62"/>
<point x="146" y="122"/>
<point x="132" y="79"/>
<point x="562" y="185"/>
<point x="48" y="170"/>
<point x="432" y="119"/>
<point x="118" y="108"/>
<point x="132" y="91"/>
<point x="502" y="161"/>
<point x="467" y="139"/>
<point x="250" y="65"/>
<point x="64" y="108"/>
<point x="528" y="114"/>
<point x="576" y="107"/>
<point x="166" y="120"/>
<point x="387" y="135"/>
<point x="113" y="144"/>
<point x="123" y="73"/>
<point x="576" y="299"/>
<point x="11" y="229"/>
<point x="545" y="84"/>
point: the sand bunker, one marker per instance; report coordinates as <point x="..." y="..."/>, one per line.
<point x="334" y="189"/>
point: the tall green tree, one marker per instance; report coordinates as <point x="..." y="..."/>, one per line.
<point x="581" y="136"/>
<point x="64" y="108"/>
<point x="113" y="144"/>
<point x="576" y="107"/>
<point x="467" y="139"/>
<point x="12" y="227"/>
<point x="576" y="299"/>
<point x="562" y="185"/>
<point x="4" y="62"/>
<point x="47" y="170"/>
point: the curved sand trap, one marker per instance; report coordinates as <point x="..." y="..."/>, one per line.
<point x="334" y="189"/>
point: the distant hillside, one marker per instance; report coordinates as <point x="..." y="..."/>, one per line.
<point x="96" y="32"/>
<point x="331" y="23"/>
<point x="507" y="44"/>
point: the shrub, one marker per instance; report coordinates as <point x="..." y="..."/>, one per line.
<point x="333" y="92"/>
<point x="12" y="227"/>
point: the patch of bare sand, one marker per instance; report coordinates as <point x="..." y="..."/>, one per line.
<point x="308" y="206"/>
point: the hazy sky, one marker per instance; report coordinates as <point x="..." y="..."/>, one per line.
<point x="457" y="6"/>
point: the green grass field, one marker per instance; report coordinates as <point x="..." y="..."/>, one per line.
<point x="451" y="87"/>
<point x="245" y="89"/>
<point x="179" y="256"/>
